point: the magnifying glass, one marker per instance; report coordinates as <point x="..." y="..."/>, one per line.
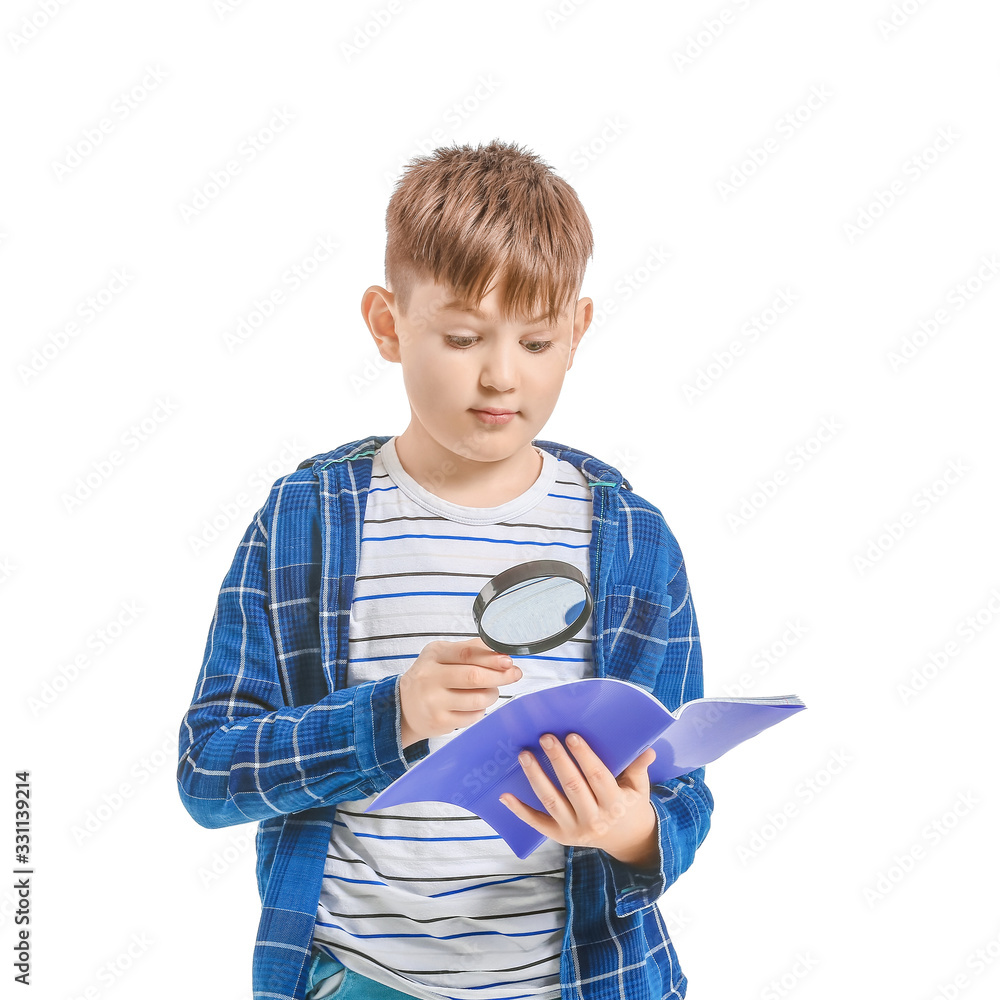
<point x="532" y="606"/>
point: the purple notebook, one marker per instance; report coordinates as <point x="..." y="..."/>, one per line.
<point x="619" y="720"/>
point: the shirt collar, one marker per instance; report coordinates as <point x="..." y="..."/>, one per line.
<point x="598" y="472"/>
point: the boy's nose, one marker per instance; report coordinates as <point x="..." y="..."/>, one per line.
<point x="498" y="372"/>
<point x="498" y="384"/>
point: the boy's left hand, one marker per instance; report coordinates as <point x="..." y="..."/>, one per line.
<point x="614" y="814"/>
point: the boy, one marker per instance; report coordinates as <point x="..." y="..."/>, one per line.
<point x="343" y="648"/>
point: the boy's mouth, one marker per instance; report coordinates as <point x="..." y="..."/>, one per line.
<point x="495" y="415"/>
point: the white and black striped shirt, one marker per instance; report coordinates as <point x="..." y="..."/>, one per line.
<point x="426" y="897"/>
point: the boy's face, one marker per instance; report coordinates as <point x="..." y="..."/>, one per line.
<point x="458" y="361"/>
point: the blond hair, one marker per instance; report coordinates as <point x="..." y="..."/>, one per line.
<point x="462" y="216"/>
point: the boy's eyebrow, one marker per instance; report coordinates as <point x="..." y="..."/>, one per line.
<point x="456" y="305"/>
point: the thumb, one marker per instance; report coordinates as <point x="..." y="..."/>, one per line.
<point x="636" y="773"/>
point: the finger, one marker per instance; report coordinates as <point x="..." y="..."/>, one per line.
<point x="482" y="679"/>
<point x="476" y="643"/>
<point x="475" y="651"/>
<point x="539" y="820"/>
<point x="636" y="775"/>
<point x="603" y="784"/>
<point x="582" y="804"/>
<point x="477" y="669"/>
<point x="551" y="798"/>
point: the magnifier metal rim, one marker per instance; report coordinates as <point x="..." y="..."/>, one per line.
<point x="521" y="573"/>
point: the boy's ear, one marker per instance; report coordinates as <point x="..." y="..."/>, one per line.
<point x="378" y="307"/>
<point x="584" y="314"/>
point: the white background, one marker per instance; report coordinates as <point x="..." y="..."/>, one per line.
<point x="881" y="878"/>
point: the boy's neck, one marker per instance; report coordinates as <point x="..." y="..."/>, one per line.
<point x="464" y="481"/>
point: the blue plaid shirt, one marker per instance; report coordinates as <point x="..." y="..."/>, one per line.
<point x="275" y="735"/>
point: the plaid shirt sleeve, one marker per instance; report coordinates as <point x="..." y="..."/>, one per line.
<point x="683" y="805"/>
<point x="244" y="754"/>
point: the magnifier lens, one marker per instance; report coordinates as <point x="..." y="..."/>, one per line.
<point x="533" y="606"/>
<point x="534" y="610"/>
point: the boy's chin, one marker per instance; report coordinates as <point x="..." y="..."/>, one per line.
<point x="495" y="446"/>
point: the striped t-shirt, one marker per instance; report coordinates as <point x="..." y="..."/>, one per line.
<point x="426" y="897"/>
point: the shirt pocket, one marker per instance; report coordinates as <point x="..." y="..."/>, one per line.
<point x="637" y="629"/>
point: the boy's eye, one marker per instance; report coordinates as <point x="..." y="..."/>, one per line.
<point x="533" y="346"/>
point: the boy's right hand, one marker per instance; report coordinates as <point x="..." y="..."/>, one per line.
<point x="449" y="686"/>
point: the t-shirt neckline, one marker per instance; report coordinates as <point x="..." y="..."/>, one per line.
<point x="514" y="507"/>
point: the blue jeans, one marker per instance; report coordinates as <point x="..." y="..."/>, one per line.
<point x="353" y="986"/>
